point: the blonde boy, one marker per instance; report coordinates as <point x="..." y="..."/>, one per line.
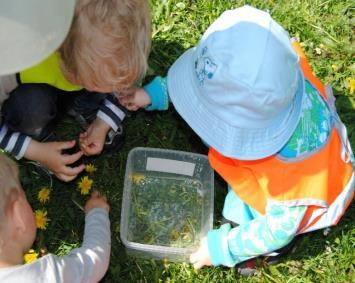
<point x="18" y="231"/>
<point x="105" y="51"/>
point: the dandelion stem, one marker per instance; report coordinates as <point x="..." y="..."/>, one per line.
<point x="78" y="205"/>
<point x="324" y="31"/>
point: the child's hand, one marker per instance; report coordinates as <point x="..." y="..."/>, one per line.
<point x="93" y="140"/>
<point x="201" y="257"/>
<point x="138" y="99"/>
<point x="50" y="155"/>
<point x="96" y="201"/>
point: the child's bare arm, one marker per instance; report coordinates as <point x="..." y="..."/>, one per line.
<point x="89" y="263"/>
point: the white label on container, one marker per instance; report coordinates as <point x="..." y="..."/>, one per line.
<point x="170" y="166"/>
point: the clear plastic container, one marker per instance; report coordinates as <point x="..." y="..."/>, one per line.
<point x="167" y="204"/>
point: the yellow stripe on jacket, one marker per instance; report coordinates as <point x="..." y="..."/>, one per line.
<point x="48" y="71"/>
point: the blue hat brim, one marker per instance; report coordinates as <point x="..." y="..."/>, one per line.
<point x="230" y="141"/>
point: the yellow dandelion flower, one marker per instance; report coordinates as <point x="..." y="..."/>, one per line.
<point x="41" y="219"/>
<point x="90" y="168"/>
<point x="30" y="256"/>
<point x="43" y="194"/>
<point x="85" y="185"/>
<point x="352" y="85"/>
<point x="136" y="178"/>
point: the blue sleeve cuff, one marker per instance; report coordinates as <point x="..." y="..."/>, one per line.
<point x="158" y="93"/>
<point x="217" y="241"/>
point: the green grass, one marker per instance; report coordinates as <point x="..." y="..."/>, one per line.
<point x="325" y="29"/>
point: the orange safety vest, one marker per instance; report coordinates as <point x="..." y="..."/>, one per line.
<point x="324" y="181"/>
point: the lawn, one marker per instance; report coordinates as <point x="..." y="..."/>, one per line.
<point x="325" y="29"/>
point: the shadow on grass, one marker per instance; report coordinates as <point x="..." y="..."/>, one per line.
<point x="163" y="54"/>
<point x="346" y="108"/>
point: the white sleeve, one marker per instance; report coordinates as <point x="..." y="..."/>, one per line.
<point x="88" y="263"/>
<point x="111" y="112"/>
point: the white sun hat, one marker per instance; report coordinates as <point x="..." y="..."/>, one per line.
<point x="30" y="30"/>
<point x="240" y="89"/>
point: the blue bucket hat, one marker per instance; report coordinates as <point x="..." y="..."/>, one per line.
<point x="240" y="89"/>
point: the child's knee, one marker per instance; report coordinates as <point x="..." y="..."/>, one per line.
<point x="30" y="108"/>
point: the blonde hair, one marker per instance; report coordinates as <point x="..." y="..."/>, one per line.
<point x="10" y="186"/>
<point x="108" y="42"/>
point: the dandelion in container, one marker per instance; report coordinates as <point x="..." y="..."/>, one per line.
<point x="168" y="198"/>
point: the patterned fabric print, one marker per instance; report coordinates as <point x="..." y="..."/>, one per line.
<point x="204" y="66"/>
<point x="266" y="234"/>
<point x="164" y="85"/>
<point x="259" y="236"/>
<point x="313" y="128"/>
<point x="236" y="210"/>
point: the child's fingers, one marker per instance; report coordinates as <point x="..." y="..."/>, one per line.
<point x="83" y="144"/>
<point x="65" y="178"/>
<point x="93" y="149"/>
<point x="83" y="135"/>
<point x="193" y="258"/>
<point x="84" y="138"/>
<point x="73" y="171"/>
<point x="131" y="107"/>
<point x="124" y="100"/>
<point x="70" y="159"/>
<point x="66" y="144"/>
<point x="196" y="261"/>
<point x="127" y="101"/>
<point x="198" y="265"/>
<point x="83" y="149"/>
<point x="99" y="194"/>
<point x="134" y="108"/>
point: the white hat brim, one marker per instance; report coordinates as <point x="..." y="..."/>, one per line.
<point x="31" y="30"/>
<point x="240" y="143"/>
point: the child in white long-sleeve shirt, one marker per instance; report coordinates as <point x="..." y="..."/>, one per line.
<point x="18" y="231"/>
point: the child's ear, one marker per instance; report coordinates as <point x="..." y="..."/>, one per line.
<point x="18" y="217"/>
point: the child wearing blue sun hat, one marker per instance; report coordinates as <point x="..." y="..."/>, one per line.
<point x="272" y="130"/>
